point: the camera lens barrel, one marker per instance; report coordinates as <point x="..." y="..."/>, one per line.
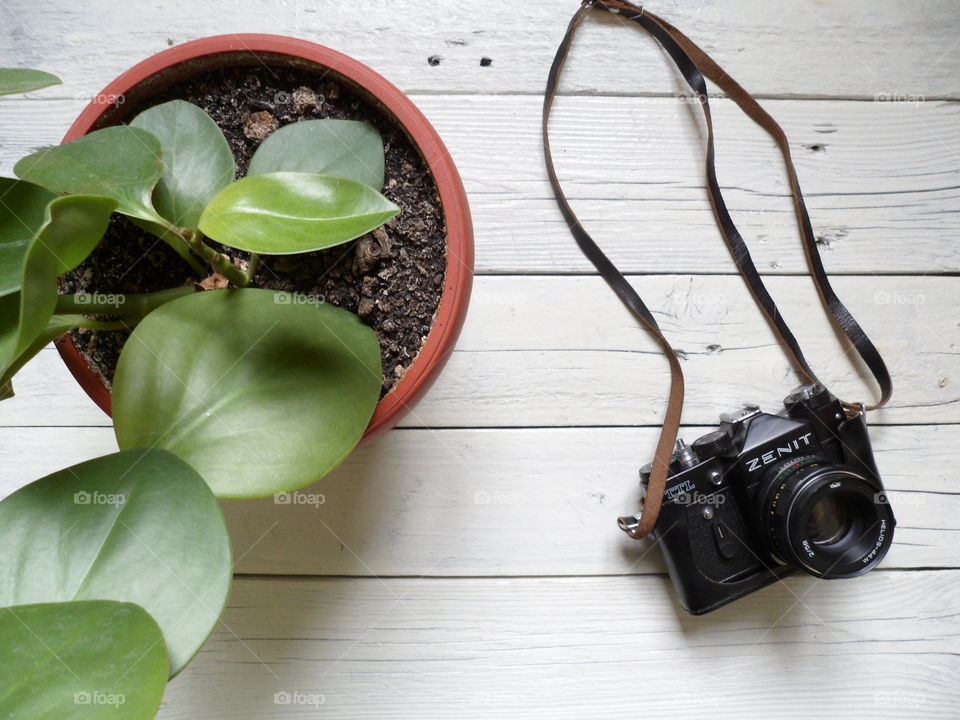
<point x="826" y="519"/>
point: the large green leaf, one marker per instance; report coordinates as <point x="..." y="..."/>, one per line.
<point x="123" y="163"/>
<point x="72" y="227"/>
<point x="23" y="209"/>
<point x="292" y="212"/>
<point x="259" y="392"/>
<point x="197" y="161"/>
<point x="342" y="148"/>
<point x="135" y="526"/>
<point x="80" y="660"/>
<point x="20" y="80"/>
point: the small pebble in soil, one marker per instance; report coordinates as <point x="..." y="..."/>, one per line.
<point x="258" y="125"/>
<point x="304" y="98"/>
<point x="365" y="306"/>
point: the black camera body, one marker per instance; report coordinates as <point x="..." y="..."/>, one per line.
<point x="767" y="494"/>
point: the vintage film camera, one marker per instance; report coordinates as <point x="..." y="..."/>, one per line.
<point x="767" y="494"/>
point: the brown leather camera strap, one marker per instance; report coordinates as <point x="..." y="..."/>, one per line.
<point x="694" y="64"/>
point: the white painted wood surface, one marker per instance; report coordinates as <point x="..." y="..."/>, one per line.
<point x="467" y="565"/>
<point x="881" y="178"/>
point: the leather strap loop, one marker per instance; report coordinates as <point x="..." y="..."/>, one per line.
<point x="695" y="65"/>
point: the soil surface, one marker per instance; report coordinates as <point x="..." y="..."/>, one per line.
<point x="392" y="278"/>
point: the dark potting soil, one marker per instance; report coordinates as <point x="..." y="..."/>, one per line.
<point x="392" y="278"/>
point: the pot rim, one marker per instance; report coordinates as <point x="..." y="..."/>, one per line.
<point x="458" y="278"/>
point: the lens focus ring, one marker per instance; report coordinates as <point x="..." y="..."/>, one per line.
<point x="826" y="519"/>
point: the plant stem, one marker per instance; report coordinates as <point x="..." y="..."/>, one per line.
<point x="132" y="304"/>
<point x="252" y="266"/>
<point x="91" y="324"/>
<point x="179" y="242"/>
<point x="218" y="261"/>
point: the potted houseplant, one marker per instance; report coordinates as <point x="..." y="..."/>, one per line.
<point x="226" y="386"/>
<point x="337" y="81"/>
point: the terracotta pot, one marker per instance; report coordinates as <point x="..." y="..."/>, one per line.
<point x="184" y="61"/>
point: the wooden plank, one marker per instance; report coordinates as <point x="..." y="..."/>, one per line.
<point x="879" y="178"/>
<point x="555" y="351"/>
<point x="881" y="646"/>
<point x="500" y="502"/>
<point x="796" y="49"/>
<point x="473" y="509"/>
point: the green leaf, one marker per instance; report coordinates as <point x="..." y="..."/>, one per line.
<point x="80" y="660"/>
<point x="37" y="245"/>
<point x="6" y="390"/>
<point x="21" y="80"/>
<point x="258" y="391"/>
<point x="72" y="227"/>
<point x="23" y="210"/>
<point x="57" y="326"/>
<point x="135" y="526"/>
<point x="123" y="163"/>
<point x="9" y="329"/>
<point x="291" y="212"/>
<point x="197" y="161"/>
<point x="343" y="148"/>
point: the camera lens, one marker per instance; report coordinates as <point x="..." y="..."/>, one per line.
<point x="829" y="520"/>
<point x="826" y="519"/>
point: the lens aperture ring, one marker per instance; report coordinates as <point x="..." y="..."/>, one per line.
<point x="779" y="501"/>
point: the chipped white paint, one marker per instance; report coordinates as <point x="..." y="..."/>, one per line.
<point x="467" y="565"/>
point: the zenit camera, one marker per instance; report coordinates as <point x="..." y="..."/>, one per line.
<point x="769" y="494"/>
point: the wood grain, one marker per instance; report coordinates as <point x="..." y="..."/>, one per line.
<point x="555" y="351"/>
<point x="501" y="502"/>
<point x="856" y="48"/>
<point x="881" y="646"/>
<point x="468" y="565"/>
<point x="882" y="180"/>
